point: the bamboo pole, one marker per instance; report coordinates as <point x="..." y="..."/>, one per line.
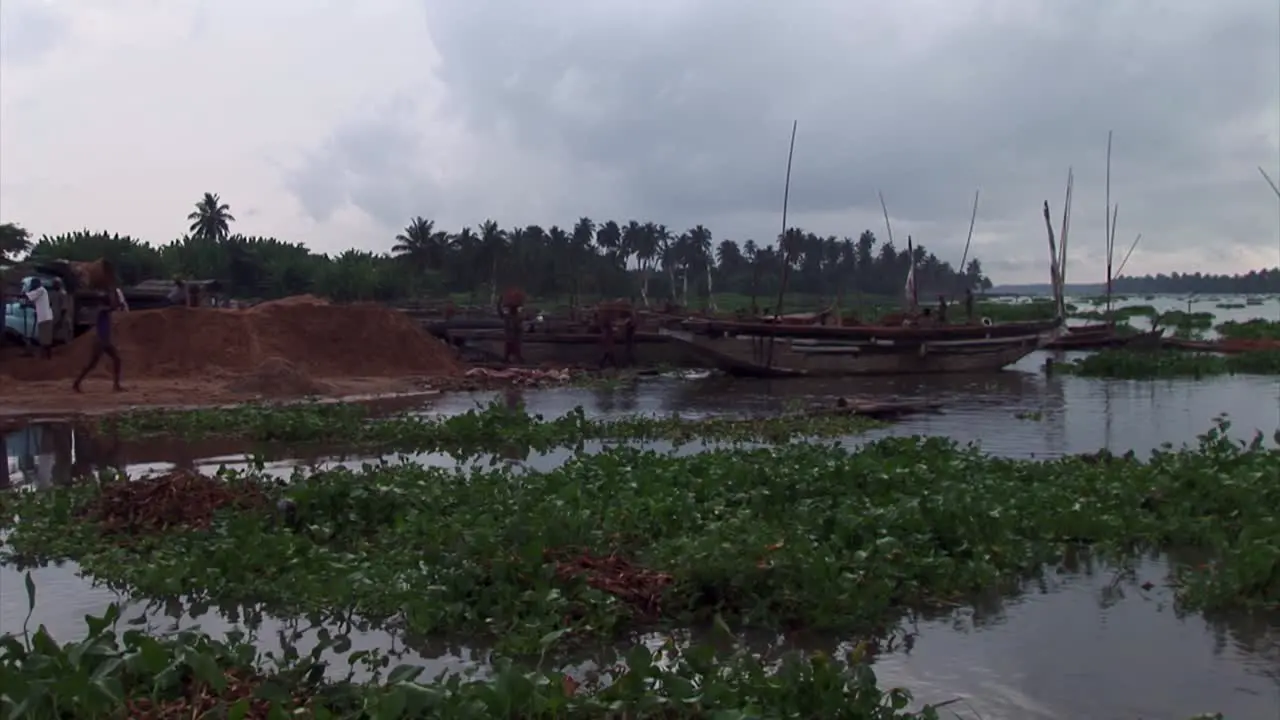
<point x="1109" y="229"/>
<point x="782" y="239"/>
<point x="1124" y="262"/>
<point x="973" y="218"/>
<point x="1053" y="252"/>
<point x="1270" y="182"/>
<point x="1062" y="249"/>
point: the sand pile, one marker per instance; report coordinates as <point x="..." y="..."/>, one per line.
<point x="278" y="377"/>
<point x="292" y="300"/>
<point x="313" y="338"/>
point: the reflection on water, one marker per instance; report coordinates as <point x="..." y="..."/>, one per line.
<point x="1088" y="646"/>
<point x="1083" y="643"/>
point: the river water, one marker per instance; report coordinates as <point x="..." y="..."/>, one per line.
<point x="1081" y="644"/>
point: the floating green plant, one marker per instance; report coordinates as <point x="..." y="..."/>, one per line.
<point x="800" y="535"/>
<point x="1179" y="320"/>
<point x="1256" y="329"/>
<point x="127" y="673"/>
<point x="1172" y="363"/>
<point x="478" y="429"/>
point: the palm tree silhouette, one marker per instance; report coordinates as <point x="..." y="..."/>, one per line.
<point x="211" y="219"/>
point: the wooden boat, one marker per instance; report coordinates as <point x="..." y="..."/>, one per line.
<point x="1095" y="340"/>
<point x="899" y="333"/>
<point x="869" y="351"/>
<point x="1091" y="329"/>
<point x="1225" y="346"/>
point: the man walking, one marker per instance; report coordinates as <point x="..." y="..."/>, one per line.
<point x="103" y="345"/>
<point x="39" y="298"/>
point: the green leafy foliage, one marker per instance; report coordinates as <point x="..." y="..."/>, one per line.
<point x="495" y="425"/>
<point x="801" y="535"/>
<point x="1172" y="363"/>
<point x="113" y="674"/>
<point x="1256" y="329"/>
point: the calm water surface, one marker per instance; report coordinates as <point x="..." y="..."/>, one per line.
<point x="1079" y="645"/>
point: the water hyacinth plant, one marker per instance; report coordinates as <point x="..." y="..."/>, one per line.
<point x="484" y="428"/>
<point x="113" y="674"/>
<point x="1256" y="329"/>
<point x="1171" y="363"/>
<point x="796" y="536"/>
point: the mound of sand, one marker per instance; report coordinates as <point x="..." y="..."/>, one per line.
<point x="317" y="339"/>
<point x="278" y="377"/>
<point x="292" y="300"/>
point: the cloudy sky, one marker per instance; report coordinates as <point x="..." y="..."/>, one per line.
<point x="332" y="122"/>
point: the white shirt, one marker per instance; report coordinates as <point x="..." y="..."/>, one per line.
<point x="40" y="298"/>
<point x="120" y="297"/>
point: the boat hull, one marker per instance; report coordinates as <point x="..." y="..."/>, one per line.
<point x="1150" y="340"/>
<point x="855" y="333"/>
<point x="759" y="356"/>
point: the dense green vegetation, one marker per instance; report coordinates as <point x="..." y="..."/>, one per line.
<point x="774" y="537"/>
<point x="1256" y="329"/>
<point x="473" y="431"/>
<point x="631" y="258"/>
<point x="113" y="673"/>
<point x="14" y="241"/>
<point x="796" y="535"/>
<point x="799" y="535"/>
<point x="1172" y="363"/>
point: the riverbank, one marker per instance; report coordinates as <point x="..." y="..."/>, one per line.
<point x="34" y="400"/>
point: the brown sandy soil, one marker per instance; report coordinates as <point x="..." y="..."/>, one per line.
<point x="289" y="349"/>
<point x="49" y="397"/>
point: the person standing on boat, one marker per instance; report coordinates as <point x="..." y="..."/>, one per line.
<point x="968" y="304"/>
<point x="629" y="338"/>
<point x="605" y="322"/>
<point x="942" y="309"/>
<point x="512" y="329"/>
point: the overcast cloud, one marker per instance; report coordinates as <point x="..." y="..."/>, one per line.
<point x="333" y="122"/>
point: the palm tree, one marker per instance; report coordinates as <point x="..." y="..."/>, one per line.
<point x="609" y="238"/>
<point x="14" y="240"/>
<point x="584" y="232"/>
<point x="664" y="251"/>
<point x="211" y="219"/>
<point x="639" y="239"/>
<point x="493" y="245"/>
<point x="421" y="245"/>
<point x="699" y="254"/>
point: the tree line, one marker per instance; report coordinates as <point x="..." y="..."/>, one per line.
<point x="1254" y="282"/>
<point x="640" y="260"/>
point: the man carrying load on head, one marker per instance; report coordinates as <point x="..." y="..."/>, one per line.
<point x="103" y="344"/>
